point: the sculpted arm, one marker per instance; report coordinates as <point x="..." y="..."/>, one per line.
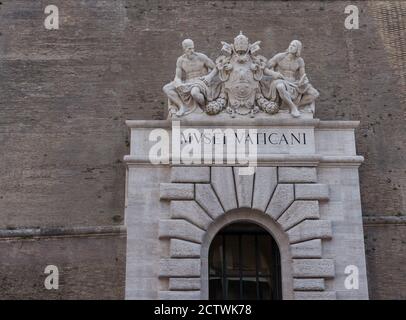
<point x="210" y="65"/>
<point x="178" y="72"/>
<point x="302" y="68"/>
<point x="272" y="63"/>
<point x="208" y="62"/>
<point x="302" y="71"/>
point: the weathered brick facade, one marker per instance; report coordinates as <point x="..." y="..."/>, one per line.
<point x="65" y="94"/>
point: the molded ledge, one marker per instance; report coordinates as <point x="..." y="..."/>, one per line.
<point x="295" y="160"/>
<point x="224" y="122"/>
<point x="339" y="161"/>
<point x="338" y="124"/>
<point x="62" y="232"/>
<point x="383" y="220"/>
<point x="218" y="122"/>
<point x="263" y="160"/>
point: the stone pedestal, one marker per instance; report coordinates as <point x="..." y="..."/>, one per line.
<point x="305" y="192"/>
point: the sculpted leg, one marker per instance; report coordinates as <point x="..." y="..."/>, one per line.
<point x="170" y="90"/>
<point x="197" y="96"/>
<point x="286" y="98"/>
<point x="182" y="111"/>
<point x="309" y="97"/>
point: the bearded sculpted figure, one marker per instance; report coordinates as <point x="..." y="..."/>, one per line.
<point x="241" y="82"/>
<point x="290" y="85"/>
<point x="192" y="85"/>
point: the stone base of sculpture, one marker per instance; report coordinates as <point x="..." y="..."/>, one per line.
<point x="224" y="116"/>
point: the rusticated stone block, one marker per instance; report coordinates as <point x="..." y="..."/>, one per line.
<point x="176" y="191"/>
<point x="179" y="268"/>
<point x="180" y="229"/>
<point x="310" y="229"/>
<point x="184" y="284"/>
<point x="313" y="268"/>
<point x="281" y="200"/>
<point x="222" y="180"/>
<point x="308" y="284"/>
<point x="206" y="197"/>
<point x="299" y="211"/>
<point x="179" y="295"/>
<point x="296" y="174"/>
<point x="184" y="249"/>
<point x="321" y="295"/>
<point x="265" y="184"/>
<point x="244" y="185"/>
<point x="311" y="191"/>
<point x="190" y="211"/>
<point x="190" y="174"/>
<point x="306" y="249"/>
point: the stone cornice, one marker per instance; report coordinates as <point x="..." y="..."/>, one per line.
<point x="27" y="233"/>
<point x="383" y="220"/>
<point x="248" y="122"/>
<point x="340" y="161"/>
<point x="338" y="125"/>
<point x="268" y="160"/>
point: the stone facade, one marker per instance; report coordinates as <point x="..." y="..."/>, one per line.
<point x="309" y="202"/>
<point x="65" y="96"/>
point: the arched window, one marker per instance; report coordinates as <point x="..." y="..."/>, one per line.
<point x="244" y="264"/>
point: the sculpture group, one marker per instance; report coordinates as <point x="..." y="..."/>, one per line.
<point x="240" y="81"/>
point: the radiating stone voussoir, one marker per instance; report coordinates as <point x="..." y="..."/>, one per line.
<point x="310" y="229"/>
<point x="299" y="211"/>
<point x="180" y="229"/>
<point x="176" y="191"/>
<point x="190" y="211"/>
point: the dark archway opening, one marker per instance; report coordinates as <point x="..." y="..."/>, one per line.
<point x="244" y="264"/>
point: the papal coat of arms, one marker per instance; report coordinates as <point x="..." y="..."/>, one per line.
<point x="240" y="81"/>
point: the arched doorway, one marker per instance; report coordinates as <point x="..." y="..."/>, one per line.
<point x="244" y="264"/>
